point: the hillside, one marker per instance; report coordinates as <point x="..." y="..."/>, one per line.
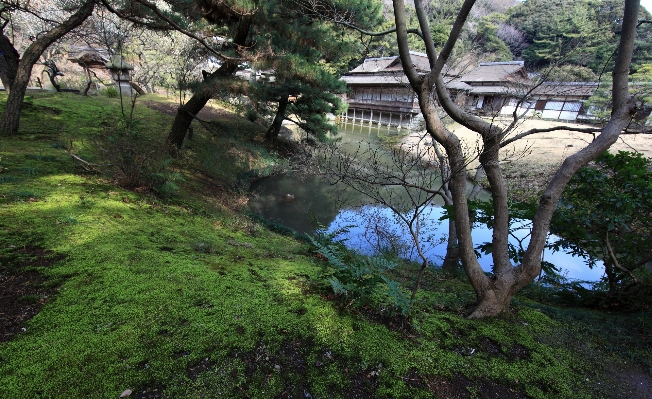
<point x="176" y="292"/>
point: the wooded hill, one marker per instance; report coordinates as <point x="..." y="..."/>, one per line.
<point x="544" y="33"/>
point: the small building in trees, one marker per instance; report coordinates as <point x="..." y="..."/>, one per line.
<point x="378" y="92"/>
<point x="492" y="86"/>
<point x="93" y="62"/>
<point x="88" y="57"/>
<point x="563" y="100"/>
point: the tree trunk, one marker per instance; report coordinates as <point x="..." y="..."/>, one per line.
<point x="137" y="88"/>
<point x="494" y="294"/>
<point x="451" y="260"/>
<point x="275" y="128"/>
<point x="186" y="113"/>
<point x="495" y="299"/>
<point x="11" y="114"/>
<point x="53" y="76"/>
<point x="8" y="62"/>
<point x="207" y="90"/>
<point x="89" y="82"/>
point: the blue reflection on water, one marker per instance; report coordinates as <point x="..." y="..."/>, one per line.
<point x="369" y="228"/>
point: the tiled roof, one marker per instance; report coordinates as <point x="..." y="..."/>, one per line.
<point x="392" y="64"/>
<point x="395" y="79"/>
<point x="560" y="89"/>
<point x="513" y="71"/>
<point x="371" y="65"/>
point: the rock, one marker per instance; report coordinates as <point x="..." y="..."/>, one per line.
<point x="125" y="393"/>
<point x="285" y="135"/>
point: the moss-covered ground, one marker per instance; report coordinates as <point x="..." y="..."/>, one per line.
<point x="186" y="297"/>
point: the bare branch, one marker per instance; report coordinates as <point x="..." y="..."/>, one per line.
<point x="615" y="260"/>
<point x="319" y="10"/>
<point x="588" y="130"/>
<point x="172" y="24"/>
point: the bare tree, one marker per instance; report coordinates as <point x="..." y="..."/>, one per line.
<point x="397" y="180"/>
<point x="495" y="292"/>
<point x="513" y="38"/>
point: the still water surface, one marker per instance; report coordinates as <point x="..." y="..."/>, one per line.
<point x="316" y="202"/>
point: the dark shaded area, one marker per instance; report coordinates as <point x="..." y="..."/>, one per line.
<point x="147" y="393"/>
<point x="22" y="290"/>
<point x="460" y="387"/>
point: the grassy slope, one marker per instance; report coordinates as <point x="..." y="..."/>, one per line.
<point x="185" y="298"/>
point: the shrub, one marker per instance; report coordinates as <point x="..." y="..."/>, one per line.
<point x="251" y="114"/>
<point x="135" y="160"/>
<point x="110" y="92"/>
<point x="362" y="280"/>
<point x="605" y="215"/>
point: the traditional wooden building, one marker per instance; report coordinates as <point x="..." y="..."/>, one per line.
<point x="379" y="92"/>
<point x="563" y="100"/>
<point x="491" y="86"/>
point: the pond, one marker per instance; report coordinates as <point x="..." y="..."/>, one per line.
<point x="366" y="227"/>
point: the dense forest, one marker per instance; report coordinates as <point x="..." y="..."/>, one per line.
<point x="578" y="36"/>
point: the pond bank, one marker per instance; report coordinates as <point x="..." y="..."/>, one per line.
<point x="530" y="163"/>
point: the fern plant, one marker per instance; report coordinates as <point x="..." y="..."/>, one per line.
<point x="362" y="280"/>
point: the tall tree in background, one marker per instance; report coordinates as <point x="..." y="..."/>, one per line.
<point x="494" y="292"/>
<point x="489" y="44"/>
<point x="238" y="19"/>
<point x="581" y="32"/>
<point x="309" y="55"/>
<point x="69" y="21"/>
<point x="248" y="33"/>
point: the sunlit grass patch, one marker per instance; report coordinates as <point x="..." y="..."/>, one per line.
<point x="185" y="298"/>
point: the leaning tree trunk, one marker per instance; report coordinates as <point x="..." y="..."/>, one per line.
<point x="187" y="112"/>
<point x="8" y="62"/>
<point x="137" y="88"/>
<point x="275" y="128"/>
<point x="89" y="82"/>
<point x="11" y="114"/>
<point x="494" y="293"/>
<point x="53" y="81"/>
<point x="207" y="90"/>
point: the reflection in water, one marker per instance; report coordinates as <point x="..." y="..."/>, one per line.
<point x="311" y="202"/>
<point x="371" y="228"/>
<point x="316" y="202"/>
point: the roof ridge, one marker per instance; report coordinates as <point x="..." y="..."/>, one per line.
<point x="521" y="63"/>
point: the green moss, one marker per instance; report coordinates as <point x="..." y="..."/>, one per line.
<point x="187" y="298"/>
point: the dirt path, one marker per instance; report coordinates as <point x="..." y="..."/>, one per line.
<point x="209" y="112"/>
